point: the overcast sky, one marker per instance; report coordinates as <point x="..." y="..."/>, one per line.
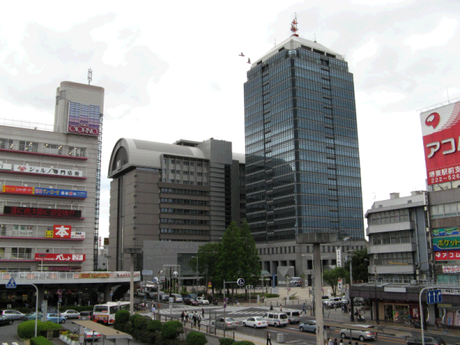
<point x="171" y="70"/>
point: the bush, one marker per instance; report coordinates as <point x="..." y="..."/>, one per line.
<point x="124" y="327"/>
<point x="196" y="338"/>
<point x="154" y="325"/>
<point x="26" y="329"/>
<point x="41" y="340"/>
<point x="171" y="329"/>
<point x="122" y="316"/>
<point x="226" y="341"/>
<point x="243" y="342"/>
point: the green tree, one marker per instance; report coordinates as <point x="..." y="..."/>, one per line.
<point x="360" y="264"/>
<point x="332" y="277"/>
<point x="208" y="255"/>
<point x="250" y="268"/>
<point x="230" y="258"/>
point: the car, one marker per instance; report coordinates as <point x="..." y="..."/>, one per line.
<point x="189" y="301"/>
<point x="202" y="300"/>
<point x="361" y="332"/>
<point x="308" y="326"/>
<point x="276" y="319"/>
<point x="177" y="297"/>
<point x="71" y="314"/>
<point x="86" y="315"/>
<point x="333" y="302"/>
<point x="55" y="317"/>
<point x="91" y="335"/>
<point x="293" y="317"/>
<point x="13" y="314"/>
<point x="428" y="341"/>
<point x="5" y="320"/>
<point x="164" y="297"/>
<point x="31" y="316"/>
<point x="225" y="323"/>
<point x="255" y="322"/>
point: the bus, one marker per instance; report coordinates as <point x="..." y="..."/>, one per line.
<point x="105" y="313"/>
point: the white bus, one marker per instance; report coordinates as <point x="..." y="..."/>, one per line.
<point x="105" y="313"/>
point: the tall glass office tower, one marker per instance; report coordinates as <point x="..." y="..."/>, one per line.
<point x="302" y="158"/>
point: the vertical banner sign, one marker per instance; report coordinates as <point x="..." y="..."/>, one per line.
<point x="339" y="257"/>
<point x="441" y="141"/>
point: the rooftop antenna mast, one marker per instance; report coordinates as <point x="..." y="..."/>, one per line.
<point x="90" y="76"/>
<point x="294" y="28"/>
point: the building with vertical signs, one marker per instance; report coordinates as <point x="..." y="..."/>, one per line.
<point x="49" y="185"/>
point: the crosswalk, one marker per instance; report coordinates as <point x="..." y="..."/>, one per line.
<point x="13" y="343"/>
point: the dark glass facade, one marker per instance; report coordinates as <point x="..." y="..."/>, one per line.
<point x="302" y="158"/>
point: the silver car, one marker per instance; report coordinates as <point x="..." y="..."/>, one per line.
<point x="361" y="332"/>
<point x="13" y="314"/>
<point x="226" y="323"/>
<point x="71" y="314"/>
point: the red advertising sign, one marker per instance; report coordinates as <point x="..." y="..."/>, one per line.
<point x="441" y="129"/>
<point x="41" y="212"/>
<point x="59" y="257"/>
<point x="62" y="231"/>
<point x="17" y="189"/>
<point x="447" y="255"/>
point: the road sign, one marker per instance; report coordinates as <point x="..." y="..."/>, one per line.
<point x="147" y="272"/>
<point x="11" y="284"/>
<point x="433" y="296"/>
<point x="240" y="282"/>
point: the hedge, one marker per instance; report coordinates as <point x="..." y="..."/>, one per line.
<point x="196" y="338"/>
<point x="26" y="329"/>
<point x="226" y="341"/>
<point x="41" y="340"/>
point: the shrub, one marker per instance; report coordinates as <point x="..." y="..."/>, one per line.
<point x="171" y="329"/>
<point x="243" y="342"/>
<point x="26" y="329"/>
<point x="41" y="340"/>
<point x="196" y="338"/>
<point x="122" y="316"/>
<point x="124" y="327"/>
<point x="154" y="325"/>
<point x="226" y="341"/>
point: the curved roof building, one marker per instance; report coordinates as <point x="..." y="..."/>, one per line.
<point x="187" y="191"/>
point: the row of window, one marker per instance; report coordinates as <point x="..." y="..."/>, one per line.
<point x="386" y="217"/>
<point x="184" y="212"/>
<point x="391" y="237"/>
<point x="445" y="210"/>
<point x="39" y="147"/>
<point x="198" y="183"/>
<point x="184" y="191"/>
<point x="184" y="201"/>
<point x="184" y="221"/>
<point x="184" y="232"/>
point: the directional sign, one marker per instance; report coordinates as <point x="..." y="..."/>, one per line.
<point x="433" y="296"/>
<point x="240" y="282"/>
<point x="11" y="284"/>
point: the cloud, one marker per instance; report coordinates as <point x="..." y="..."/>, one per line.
<point x="440" y="36"/>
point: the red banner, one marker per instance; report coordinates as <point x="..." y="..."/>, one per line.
<point x="62" y="231"/>
<point x="17" y="189"/>
<point x="59" y="257"/>
<point x="446" y="255"/>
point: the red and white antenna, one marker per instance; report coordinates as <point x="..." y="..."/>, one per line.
<point x="294" y="28"/>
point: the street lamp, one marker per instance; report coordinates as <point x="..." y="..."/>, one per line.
<point x="196" y="286"/>
<point x="375" y="294"/>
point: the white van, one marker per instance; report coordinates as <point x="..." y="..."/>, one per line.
<point x="276" y="319"/>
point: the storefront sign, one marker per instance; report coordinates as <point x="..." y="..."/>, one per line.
<point x="17" y="189"/>
<point x="61" y="231"/>
<point x="447" y="255"/>
<point x="41" y="212"/>
<point x="77" y="234"/>
<point x="94" y="275"/>
<point x="450" y="269"/>
<point x="60" y="192"/>
<point x="446" y="243"/>
<point x="446" y="231"/>
<point x="127" y="274"/>
<point x="46" y="171"/>
<point x="59" y="257"/>
<point x="5" y="166"/>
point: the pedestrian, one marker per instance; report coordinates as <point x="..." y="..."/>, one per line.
<point x="194" y="319"/>
<point x="356" y="343"/>
<point x="202" y="312"/>
<point x="341" y="342"/>
<point x="303" y="309"/>
<point x="269" y="338"/>
<point x="330" y="342"/>
<point x="271" y="306"/>
<point x="153" y="311"/>
<point x="199" y="321"/>
<point x="335" y="341"/>
<point x="186" y="316"/>
<point x="281" y="308"/>
<point x="182" y="316"/>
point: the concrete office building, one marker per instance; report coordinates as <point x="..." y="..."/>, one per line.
<point x="183" y="192"/>
<point x="49" y="183"/>
<point x="302" y="158"/>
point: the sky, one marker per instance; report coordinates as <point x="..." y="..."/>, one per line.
<point x="172" y="70"/>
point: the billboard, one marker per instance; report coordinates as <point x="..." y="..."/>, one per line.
<point x="59" y="257"/>
<point x="84" y="119"/>
<point x="440" y="130"/>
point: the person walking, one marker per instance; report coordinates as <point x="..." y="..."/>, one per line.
<point x="335" y="341"/>
<point x="182" y="316"/>
<point x="341" y="342"/>
<point x="153" y="311"/>
<point x="281" y="308"/>
<point x="202" y="312"/>
<point x="303" y="309"/>
<point x="269" y="338"/>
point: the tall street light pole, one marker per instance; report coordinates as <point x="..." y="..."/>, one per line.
<point x="196" y="286"/>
